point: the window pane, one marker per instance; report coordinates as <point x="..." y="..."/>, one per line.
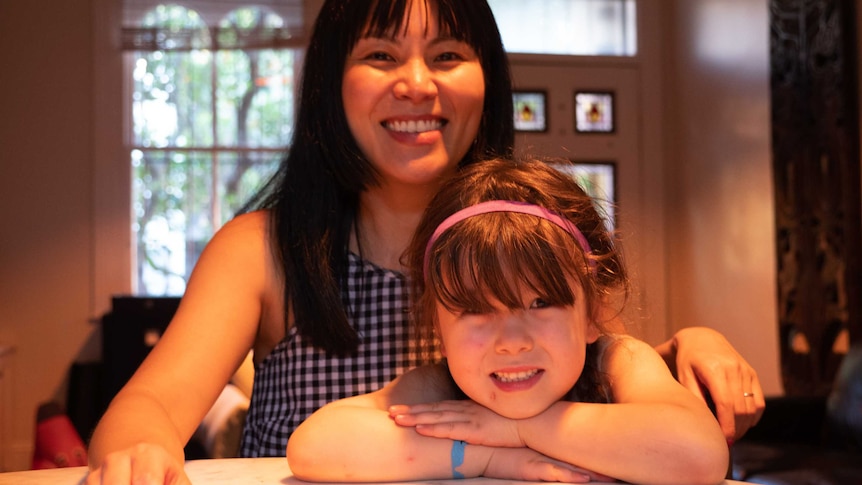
<point x="240" y="175"/>
<point x="172" y="93"/>
<point x="570" y="27"/>
<point x="255" y="86"/>
<point x="172" y="99"/>
<point x="178" y="209"/>
<point x="255" y="96"/>
<point x="172" y="206"/>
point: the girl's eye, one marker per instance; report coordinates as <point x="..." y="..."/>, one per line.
<point x="467" y="312"/>
<point x="539" y="303"/>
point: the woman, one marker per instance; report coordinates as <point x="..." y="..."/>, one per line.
<point x="311" y="282"/>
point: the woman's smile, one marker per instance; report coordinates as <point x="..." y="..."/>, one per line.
<point x="424" y="130"/>
<point x="414" y="126"/>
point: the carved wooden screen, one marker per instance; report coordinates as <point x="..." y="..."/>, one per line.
<point x="816" y="169"/>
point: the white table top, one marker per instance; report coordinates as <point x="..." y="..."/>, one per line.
<point x="233" y="471"/>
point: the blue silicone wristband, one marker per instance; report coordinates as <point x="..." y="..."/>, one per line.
<point x="457" y="457"/>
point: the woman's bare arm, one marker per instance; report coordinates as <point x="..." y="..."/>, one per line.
<point x="215" y="326"/>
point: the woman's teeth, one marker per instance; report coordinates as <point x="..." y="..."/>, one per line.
<point x="515" y="376"/>
<point x="414" y="126"/>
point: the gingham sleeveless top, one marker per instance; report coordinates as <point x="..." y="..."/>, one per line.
<point x="296" y="379"/>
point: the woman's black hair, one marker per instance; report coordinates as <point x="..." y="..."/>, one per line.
<point x="314" y="195"/>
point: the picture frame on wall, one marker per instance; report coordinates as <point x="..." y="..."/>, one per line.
<point x="595" y="112"/>
<point x="531" y="110"/>
<point x="599" y="180"/>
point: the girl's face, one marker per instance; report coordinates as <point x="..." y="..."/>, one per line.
<point x="517" y="362"/>
<point x="413" y="102"/>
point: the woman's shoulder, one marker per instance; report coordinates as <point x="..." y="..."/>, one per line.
<point x="250" y="222"/>
<point x="238" y="253"/>
<point x="243" y="234"/>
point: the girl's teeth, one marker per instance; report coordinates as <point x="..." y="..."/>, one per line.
<point x="515" y="376"/>
<point x="414" y="126"/>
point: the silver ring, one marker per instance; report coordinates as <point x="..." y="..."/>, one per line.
<point x="747" y="394"/>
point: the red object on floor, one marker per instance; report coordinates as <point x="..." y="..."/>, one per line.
<point x="57" y="442"/>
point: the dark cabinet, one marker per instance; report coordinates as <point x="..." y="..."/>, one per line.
<point x="129" y="331"/>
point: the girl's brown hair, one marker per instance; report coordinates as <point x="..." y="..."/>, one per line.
<point x="496" y="254"/>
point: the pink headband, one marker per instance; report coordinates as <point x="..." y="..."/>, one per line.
<point x="507" y="206"/>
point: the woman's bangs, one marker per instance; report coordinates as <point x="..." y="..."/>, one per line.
<point x="387" y="18"/>
<point x="453" y="20"/>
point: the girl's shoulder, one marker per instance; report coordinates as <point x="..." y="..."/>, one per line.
<point x="423" y="384"/>
<point x="615" y="346"/>
<point x="620" y="340"/>
<point x="624" y="357"/>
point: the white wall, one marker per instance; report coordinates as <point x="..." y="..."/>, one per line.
<point x="706" y="140"/>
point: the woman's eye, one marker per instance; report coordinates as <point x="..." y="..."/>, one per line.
<point x="379" y="56"/>
<point x="448" y="57"/>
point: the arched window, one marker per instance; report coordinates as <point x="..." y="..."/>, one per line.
<point x="212" y="113"/>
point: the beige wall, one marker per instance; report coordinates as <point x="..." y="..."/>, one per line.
<point x="46" y="251"/>
<point x="719" y="213"/>
<point x="709" y="85"/>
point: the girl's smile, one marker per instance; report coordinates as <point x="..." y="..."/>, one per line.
<point x="517" y="361"/>
<point x="513" y="381"/>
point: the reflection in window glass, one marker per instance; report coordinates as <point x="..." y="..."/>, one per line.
<point x="568" y="27"/>
<point x="211" y="118"/>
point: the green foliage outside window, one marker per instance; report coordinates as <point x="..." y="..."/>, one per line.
<point x="212" y="112"/>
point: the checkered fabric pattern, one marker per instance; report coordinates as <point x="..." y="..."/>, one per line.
<point x="296" y="379"/>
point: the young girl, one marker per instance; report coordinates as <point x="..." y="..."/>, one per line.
<point x="517" y="278"/>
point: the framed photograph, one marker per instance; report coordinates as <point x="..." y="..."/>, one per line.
<point x="599" y="180"/>
<point x="594" y="112"/>
<point x="531" y="110"/>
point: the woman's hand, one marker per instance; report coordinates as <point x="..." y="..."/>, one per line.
<point x="530" y="465"/>
<point x="459" y="420"/>
<point x="144" y="463"/>
<point x="705" y="360"/>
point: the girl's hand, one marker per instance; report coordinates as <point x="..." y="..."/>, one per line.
<point x="144" y="463"/>
<point x="705" y="359"/>
<point x="459" y="420"/>
<point x="530" y="465"/>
